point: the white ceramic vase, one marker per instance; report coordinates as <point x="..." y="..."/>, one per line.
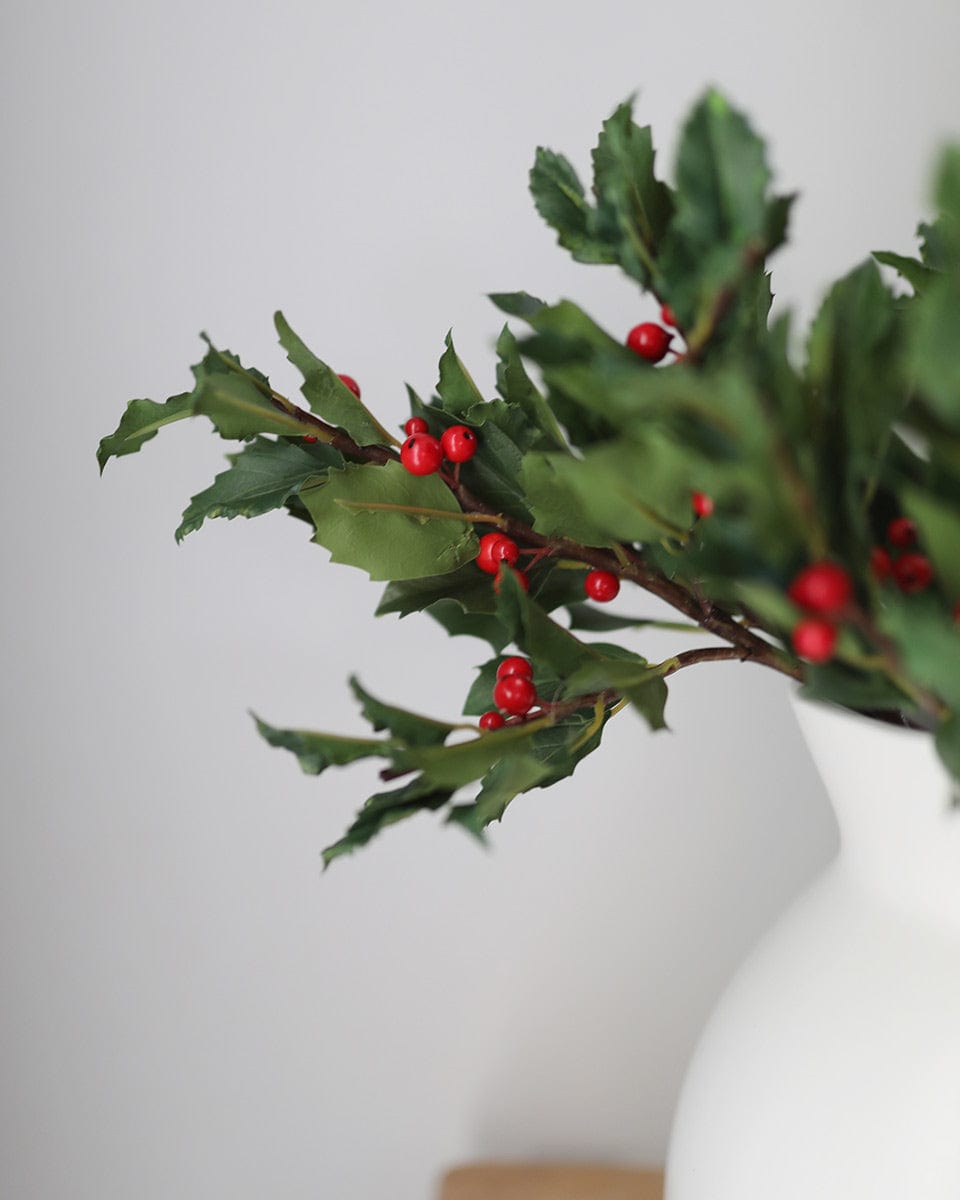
<point x="830" y="1069"/>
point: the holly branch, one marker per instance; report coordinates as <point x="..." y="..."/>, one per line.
<point x="805" y="514"/>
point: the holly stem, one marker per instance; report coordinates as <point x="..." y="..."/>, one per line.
<point x="414" y="510"/>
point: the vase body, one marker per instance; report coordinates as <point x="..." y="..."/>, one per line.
<point x="830" y="1068"/>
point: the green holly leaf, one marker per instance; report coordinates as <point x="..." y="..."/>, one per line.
<point x="590" y="619"/>
<point x="262" y="477"/>
<point x="458" y="622"/>
<point x="141" y="421"/>
<point x="934" y="333"/>
<point x="911" y="269"/>
<point x="863" y="691"/>
<point x="560" y="199"/>
<point x="724" y="222"/>
<point x="390" y="523"/>
<point x="948" y="747"/>
<point x="855" y="373"/>
<point x="547" y="644"/>
<point x="238" y="407"/>
<point x="328" y="396"/>
<point x="939" y="523"/>
<point x="468" y="586"/>
<point x="518" y="389"/>
<point x="457" y="765"/>
<point x="408" y="727"/>
<point x="633" y="207"/>
<point x="618" y="491"/>
<point x="317" y="751"/>
<point x="506" y="779"/>
<point x="555" y="503"/>
<point x="385" y="809"/>
<point x="455" y="387"/>
<point x="517" y="304"/>
<point x="928" y="641"/>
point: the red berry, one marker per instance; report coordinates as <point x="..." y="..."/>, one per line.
<point x="515" y="694"/>
<point x="881" y="564"/>
<point x="309" y="438"/>
<point x="491" y="720"/>
<point x="912" y="572"/>
<point x="416" y="425"/>
<point x="459" y="443"/>
<point x="702" y="504"/>
<point x="650" y="341"/>
<point x="421" y="454"/>
<point x="351" y="383"/>
<point x="496" y="548"/>
<point x="667" y="317"/>
<point x="815" y="640"/>
<point x="823" y="588"/>
<point x="601" y="586"/>
<point x="901" y="532"/>
<point x="515" y="666"/>
<point x="521" y="577"/>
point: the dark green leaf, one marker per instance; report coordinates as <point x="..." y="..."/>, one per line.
<point x="456" y="387"/>
<point x="458" y="622"/>
<point x="633" y="206"/>
<point x="545" y="642"/>
<point x="513" y="774"/>
<point x="559" y="198"/>
<point x="517" y="388"/>
<point x="517" y="304"/>
<point x="262" y="477"/>
<point x="387" y="808"/>
<point x="408" y="727"/>
<point x="317" y="751"/>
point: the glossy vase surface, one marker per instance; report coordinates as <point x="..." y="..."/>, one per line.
<point x="830" y="1068"/>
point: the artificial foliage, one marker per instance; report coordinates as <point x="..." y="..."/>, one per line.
<point x="803" y="509"/>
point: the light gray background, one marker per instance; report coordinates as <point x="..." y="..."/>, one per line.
<point x="189" y="1009"/>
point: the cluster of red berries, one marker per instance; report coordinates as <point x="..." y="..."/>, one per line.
<point x="347" y="381"/>
<point x="514" y="693"/>
<point x="912" y="571"/>
<point x="823" y="590"/>
<point x="498" y="551"/>
<point x="422" y="453"/>
<point x="650" y="340"/>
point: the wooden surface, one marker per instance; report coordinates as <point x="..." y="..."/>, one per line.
<point x="490" y="1181"/>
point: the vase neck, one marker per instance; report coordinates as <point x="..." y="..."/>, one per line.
<point x="895" y="805"/>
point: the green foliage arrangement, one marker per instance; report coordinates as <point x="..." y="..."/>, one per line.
<point x="807" y="515"/>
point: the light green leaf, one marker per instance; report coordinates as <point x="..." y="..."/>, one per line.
<point x="239" y="409"/>
<point x="141" y="421"/>
<point x="388" y="543"/>
<point x="914" y="272"/>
